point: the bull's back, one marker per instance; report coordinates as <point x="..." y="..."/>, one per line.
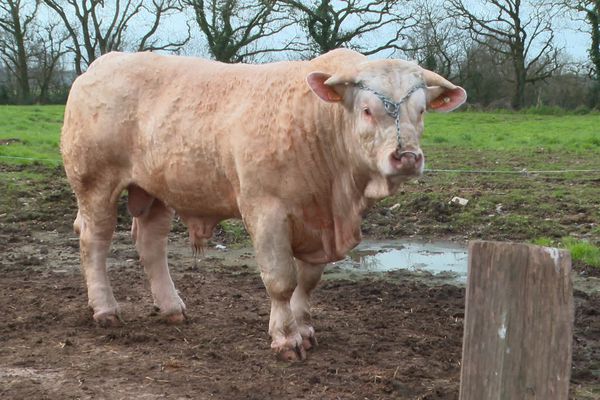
<point x="167" y="124"/>
<point x="189" y="131"/>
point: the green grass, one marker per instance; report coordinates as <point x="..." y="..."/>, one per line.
<point x="30" y="132"/>
<point x="581" y="250"/>
<point x="235" y="232"/>
<point x="505" y="131"/>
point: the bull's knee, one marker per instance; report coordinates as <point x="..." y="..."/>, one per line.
<point x="280" y="285"/>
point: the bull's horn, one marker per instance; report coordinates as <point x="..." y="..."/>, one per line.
<point x="346" y="76"/>
<point x="339" y="79"/>
<point x="433" y="79"/>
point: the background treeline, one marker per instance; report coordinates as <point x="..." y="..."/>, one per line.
<point x="504" y="52"/>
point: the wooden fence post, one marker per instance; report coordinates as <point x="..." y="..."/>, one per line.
<point x="518" y="333"/>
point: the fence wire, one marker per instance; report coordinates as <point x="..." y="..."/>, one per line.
<point x="506" y="172"/>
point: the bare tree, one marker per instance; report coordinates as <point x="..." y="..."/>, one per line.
<point x="333" y="24"/>
<point x="97" y="27"/>
<point x="16" y="22"/>
<point x="437" y="43"/>
<point x="590" y="12"/>
<point x="48" y="47"/>
<point x="485" y="77"/>
<point x="235" y="30"/>
<point x="520" y="31"/>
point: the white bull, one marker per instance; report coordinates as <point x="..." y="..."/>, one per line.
<point x="298" y="150"/>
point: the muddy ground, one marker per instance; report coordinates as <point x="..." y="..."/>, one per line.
<point x="379" y="337"/>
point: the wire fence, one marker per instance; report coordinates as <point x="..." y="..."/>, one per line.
<point x="522" y="172"/>
<point x="55" y="160"/>
<point x="507" y="172"/>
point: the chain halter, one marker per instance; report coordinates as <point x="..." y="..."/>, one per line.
<point x="392" y="108"/>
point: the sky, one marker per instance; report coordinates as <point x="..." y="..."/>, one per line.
<point x="575" y="43"/>
<point x="568" y="35"/>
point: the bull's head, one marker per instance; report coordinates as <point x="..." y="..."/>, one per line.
<point x="386" y="101"/>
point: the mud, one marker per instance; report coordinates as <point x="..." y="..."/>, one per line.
<point x="381" y="336"/>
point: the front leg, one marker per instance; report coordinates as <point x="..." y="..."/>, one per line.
<point x="270" y="231"/>
<point x="308" y="276"/>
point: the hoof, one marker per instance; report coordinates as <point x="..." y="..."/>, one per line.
<point x="289" y="348"/>
<point x="309" y="342"/>
<point x="108" y="320"/>
<point x="309" y="339"/>
<point x="296" y="354"/>
<point x="175" y="319"/>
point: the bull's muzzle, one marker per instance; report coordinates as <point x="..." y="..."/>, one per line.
<point x="407" y="161"/>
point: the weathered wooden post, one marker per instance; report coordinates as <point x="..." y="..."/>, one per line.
<point x="518" y="323"/>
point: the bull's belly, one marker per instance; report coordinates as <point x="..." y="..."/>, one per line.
<point x="199" y="202"/>
<point x="194" y="187"/>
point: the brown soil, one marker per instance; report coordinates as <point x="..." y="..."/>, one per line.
<point x="378" y="338"/>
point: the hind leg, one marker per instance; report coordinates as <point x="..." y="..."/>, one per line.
<point x="95" y="223"/>
<point x="308" y="276"/>
<point x="150" y="232"/>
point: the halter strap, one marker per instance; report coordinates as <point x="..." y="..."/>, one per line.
<point x="392" y="108"/>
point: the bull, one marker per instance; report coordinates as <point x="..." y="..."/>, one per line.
<point x="298" y="150"/>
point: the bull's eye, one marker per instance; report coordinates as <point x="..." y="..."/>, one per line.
<point x="367" y="112"/>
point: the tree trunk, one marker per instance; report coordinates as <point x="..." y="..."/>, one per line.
<point x="23" y="89"/>
<point x="520" y="79"/>
<point x="21" y="67"/>
<point x="594" y="19"/>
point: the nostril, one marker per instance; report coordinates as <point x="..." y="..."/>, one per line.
<point x="399" y="154"/>
<point x="406" y="162"/>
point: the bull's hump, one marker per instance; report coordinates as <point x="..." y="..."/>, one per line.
<point x="341" y="53"/>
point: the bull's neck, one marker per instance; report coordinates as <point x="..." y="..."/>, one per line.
<point x="349" y="146"/>
<point x="334" y="127"/>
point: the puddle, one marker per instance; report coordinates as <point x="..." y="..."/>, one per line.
<point x="440" y="262"/>
<point x="435" y="263"/>
<point x="437" y="258"/>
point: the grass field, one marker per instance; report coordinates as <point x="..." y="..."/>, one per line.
<point x="555" y="208"/>
<point x="30" y="132"/>
<point x="514" y="131"/>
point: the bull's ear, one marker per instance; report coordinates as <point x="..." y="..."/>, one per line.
<point x="442" y="95"/>
<point x="444" y="99"/>
<point x="325" y="86"/>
